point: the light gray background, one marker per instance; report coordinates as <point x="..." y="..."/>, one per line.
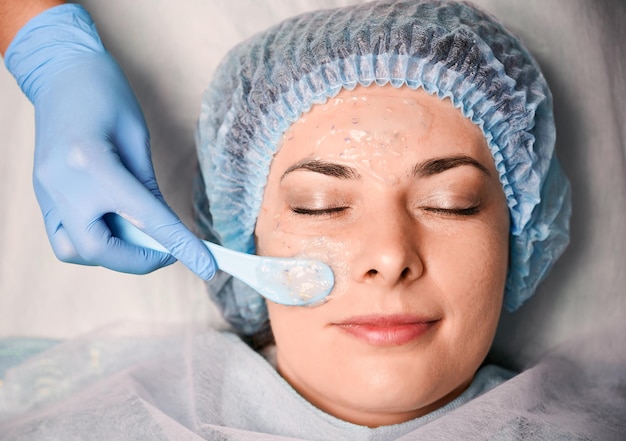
<point x="169" y="50"/>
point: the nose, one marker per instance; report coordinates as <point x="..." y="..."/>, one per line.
<point x="390" y="253"/>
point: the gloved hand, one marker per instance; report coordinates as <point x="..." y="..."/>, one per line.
<point x="92" y="152"/>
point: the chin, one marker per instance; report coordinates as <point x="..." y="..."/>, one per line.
<point x="378" y="406"/>
<point x="399" y="383"/>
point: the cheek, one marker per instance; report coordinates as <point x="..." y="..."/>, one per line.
<point x="476" y="282"/>
<point x="304" y="349"/>
<point x="276" y="236"/>
<point x="482" y="259"/>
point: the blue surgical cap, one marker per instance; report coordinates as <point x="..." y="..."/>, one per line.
<point x="450" y="49"/>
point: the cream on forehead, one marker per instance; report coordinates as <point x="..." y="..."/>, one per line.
<point x="361" y="126"/>
<point x="357" y="127"/>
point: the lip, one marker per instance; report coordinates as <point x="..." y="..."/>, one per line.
<point x="387" y="330"/>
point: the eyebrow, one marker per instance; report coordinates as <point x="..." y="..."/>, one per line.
<point x="439" y="165"/>
<point x="423" y="169"/>
<point x="326" y="168"/>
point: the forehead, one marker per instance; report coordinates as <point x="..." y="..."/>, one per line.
<point x="377" y="120"/>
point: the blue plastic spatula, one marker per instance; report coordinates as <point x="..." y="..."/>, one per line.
<point x="288" y="281"/>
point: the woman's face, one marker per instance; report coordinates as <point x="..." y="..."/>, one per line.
<point x="398" y="193"/>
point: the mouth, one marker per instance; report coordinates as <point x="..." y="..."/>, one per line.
<point x="387" y="330"/>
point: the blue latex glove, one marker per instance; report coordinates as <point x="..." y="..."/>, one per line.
<point x="92" y="152"/>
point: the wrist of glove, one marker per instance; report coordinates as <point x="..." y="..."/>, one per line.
<point x="92" y="153"/>
<point x="49" y="43"/>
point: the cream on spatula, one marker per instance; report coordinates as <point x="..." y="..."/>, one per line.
<point x="288" y="281"/>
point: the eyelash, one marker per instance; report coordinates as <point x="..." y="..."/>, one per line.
<point x="454" y="211"/>
<point x="317" y="212"/>
<point x="335" y="210"/>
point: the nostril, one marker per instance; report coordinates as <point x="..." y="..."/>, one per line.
<point x="405" y="273"/>
<point x="372" y="272"/>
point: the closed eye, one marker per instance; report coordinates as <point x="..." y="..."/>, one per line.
<point x="318" y="212"/>
<point x="454" y="211"/>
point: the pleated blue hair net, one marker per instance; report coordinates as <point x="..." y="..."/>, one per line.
<point x="450" y="49"/>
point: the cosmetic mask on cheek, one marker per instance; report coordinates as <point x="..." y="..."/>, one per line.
<point x="332" y="252"/>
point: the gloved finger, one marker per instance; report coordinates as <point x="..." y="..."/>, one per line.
<point x="93" y="244"/>
<point x="132" y="142"/>
<point x="151" y="215"/>
<point x="78" y="234"/>
<point x="62" y="246"/>
<point x="60" y="242"/>
<point x="89" y="242"/>
<point x="134" y="260"/>
<point x="144" y="210"/>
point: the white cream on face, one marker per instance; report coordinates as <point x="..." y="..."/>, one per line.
<point x="369" y="137"/>
<point x="305" y="280"/>
<point x="294" y="282"/>
<point x="398" y="193"/>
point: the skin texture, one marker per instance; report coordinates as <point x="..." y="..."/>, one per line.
<point x="398" y="192"/>
<point x="15" y="13"/>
